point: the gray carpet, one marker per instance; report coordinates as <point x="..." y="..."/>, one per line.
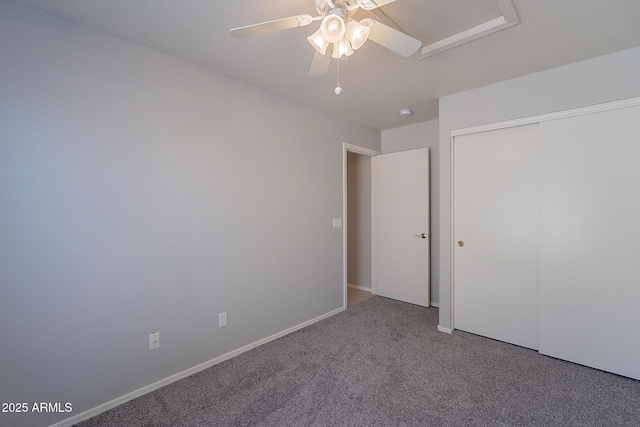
<point x="382" y="363"/>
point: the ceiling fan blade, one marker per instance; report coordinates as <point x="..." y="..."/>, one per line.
<point x="392" y="39"/>
<point x="271" y="26"/>
<point x="320" y="64"/>
<point x="372" y="4"/>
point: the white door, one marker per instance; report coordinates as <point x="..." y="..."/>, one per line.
<point x="496" y="234"/>
<point x="589" y="275"/>
<point x="401" y="226"/>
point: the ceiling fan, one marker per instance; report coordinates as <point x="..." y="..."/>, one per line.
<point x="339" y="34"/>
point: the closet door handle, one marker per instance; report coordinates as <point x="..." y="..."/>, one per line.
<point x="460" y="243"/>
<point x="421" y="235"/>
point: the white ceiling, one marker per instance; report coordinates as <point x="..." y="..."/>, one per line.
<point x="376" y="83"/>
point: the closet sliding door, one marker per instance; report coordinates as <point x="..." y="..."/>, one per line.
<point x="496" y="234"/>
<point x="547" y="235"/>
<point x="589" y="292"/>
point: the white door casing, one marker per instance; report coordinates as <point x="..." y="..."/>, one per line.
<point x="346" y="148"/>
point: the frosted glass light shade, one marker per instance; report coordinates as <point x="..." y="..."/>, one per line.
<point x="342" y="48"/>
<point x="357" y="34"/>
<point x="318" y="42"/>
<point x="332" y="28"/>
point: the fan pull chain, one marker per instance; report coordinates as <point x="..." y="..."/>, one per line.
<point x="338" y="88"/>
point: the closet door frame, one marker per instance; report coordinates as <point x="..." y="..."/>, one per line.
<point x="614" y="105"/>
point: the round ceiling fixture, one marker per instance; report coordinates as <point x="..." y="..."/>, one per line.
<point x="406" y="112"/>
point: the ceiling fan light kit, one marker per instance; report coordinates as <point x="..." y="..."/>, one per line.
<point x="339" y="30"/>
<point x="346" y="38"/>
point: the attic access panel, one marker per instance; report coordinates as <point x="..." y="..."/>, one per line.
<point x="442" y="25"/>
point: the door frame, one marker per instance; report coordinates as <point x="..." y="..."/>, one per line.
<point x="350" y="148"/>
<point x="571" y="112"/>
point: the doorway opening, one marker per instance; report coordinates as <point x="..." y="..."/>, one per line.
<point x="357" y="231"/>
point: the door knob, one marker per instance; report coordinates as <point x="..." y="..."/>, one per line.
<point x="460" y="243"/>
<point x="421" y="235"/>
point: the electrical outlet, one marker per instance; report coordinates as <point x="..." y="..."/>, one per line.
<point x="222" y="319"/>
<point x="154" y="341"/>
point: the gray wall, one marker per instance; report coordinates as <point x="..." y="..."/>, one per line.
<point x="606" y="78"/>
<point x="359" y="220"/>
<point x="423" y="135"/>
<point x="142" y="193"/>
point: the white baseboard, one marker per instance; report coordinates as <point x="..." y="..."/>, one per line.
<point x="151" y="387"/>
<point x="434" y="304"/>
<point x="445" y="330"/>
<point x="362" y="288"/>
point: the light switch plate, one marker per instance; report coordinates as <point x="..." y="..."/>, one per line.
<point x="337" y="222"/>
<point x="222" y="319"/>
<point x="154" y="341"/>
